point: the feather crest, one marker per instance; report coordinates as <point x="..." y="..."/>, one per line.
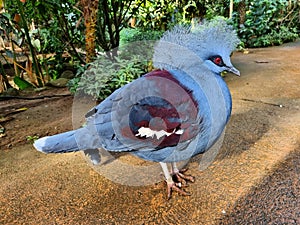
<point x="200" y="40"/>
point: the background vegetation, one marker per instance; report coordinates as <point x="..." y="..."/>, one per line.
<point x="90" y="35"/>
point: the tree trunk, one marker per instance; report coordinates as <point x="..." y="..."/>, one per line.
<point x="90" y="10"/>
<point x="230" y="8"/>
<point x="242" y="11"/>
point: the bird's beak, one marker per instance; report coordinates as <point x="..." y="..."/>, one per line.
<point x="234" y="71"/>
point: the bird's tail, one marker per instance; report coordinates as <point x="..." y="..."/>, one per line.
<point x="71" y="141"/>
<point x="60" y="143"/>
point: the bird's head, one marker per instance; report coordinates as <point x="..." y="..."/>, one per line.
<point x="210" y="42"/>
<point x="214" y="42"/>
<point x="219" y="64"/>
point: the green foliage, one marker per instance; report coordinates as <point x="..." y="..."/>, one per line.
<point x="128" y="35"/>
<point x="216" y="8"/>
<point x="48" y="27"/>
<point x="162" y="14"/>
<point x="112" y="17"/>
<point x="8" y="30"/>
<point x="156" y="15"/>
<point x="54" y="29"/>
<point x="282" y="35"/>
<point x="21" y="83"/>
<point x="60" y="33"/>
<point x="103" y="76"/>
<point x="57" y="24"/>
<point x="73" y="84"/>
<point x="100" y="78"/>
<point x="269" y="22"/>
<point x="32" y="139"/>
<point x="24" y="25"/>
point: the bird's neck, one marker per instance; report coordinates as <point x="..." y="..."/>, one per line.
<point x="226" y="94"/>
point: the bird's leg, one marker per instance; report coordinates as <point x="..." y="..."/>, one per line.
<point x="179" y="176"/>
<point x="171" y="185"/>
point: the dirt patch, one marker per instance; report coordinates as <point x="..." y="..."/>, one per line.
<point x="44" y="116"/>
<point x="262" y="133"/>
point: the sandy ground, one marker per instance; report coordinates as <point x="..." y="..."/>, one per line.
<point x="255" y="178"/>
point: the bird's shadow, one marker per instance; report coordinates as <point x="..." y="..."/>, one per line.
<point x="243" y="131"/>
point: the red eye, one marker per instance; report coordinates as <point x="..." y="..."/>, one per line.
<point x="218" y="61"/>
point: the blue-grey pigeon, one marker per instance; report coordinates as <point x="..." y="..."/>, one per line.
<point x="170" y="114"/>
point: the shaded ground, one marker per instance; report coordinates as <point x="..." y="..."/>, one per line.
<point x="253" y="180"/>
<point x="276" y="200"/>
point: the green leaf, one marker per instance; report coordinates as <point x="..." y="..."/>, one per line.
<point x="37" y="44"/>
<point x="21" y="83"/>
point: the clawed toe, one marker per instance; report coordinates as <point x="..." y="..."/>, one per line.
<point x="179" y="180"/>
<point x="180" y="177"/>
<point x="172" y="186"/>
<point x="176" y="180"/>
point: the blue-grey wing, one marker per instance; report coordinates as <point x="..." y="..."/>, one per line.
<point x="152" y="113"/>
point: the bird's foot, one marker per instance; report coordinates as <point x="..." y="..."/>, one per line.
<point x="178" y="176"/>
<point x="172" y="186"/>
<point x="177" y="181"/>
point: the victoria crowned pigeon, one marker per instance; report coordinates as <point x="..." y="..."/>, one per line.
<point x="170" y="114"/>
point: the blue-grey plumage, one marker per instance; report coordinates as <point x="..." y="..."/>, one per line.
<point x="112" y="132"/>
<point x="170" y="114"/>
<point x="60" y="143"/>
